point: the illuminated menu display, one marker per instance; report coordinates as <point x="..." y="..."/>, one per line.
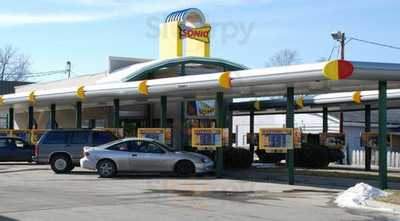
<point x="207" y="137"/>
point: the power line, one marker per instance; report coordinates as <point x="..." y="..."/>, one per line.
<point x="374" y="43"/>
<point x="332" y="50"/>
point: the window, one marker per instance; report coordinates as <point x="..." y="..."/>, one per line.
<point x="100" y="138"/>
<point x="4" y="143"/>
<point x="55" y="138"/>
<point x="145" y="147"/>
<point x="154" y="148"/>
<point x="123" y="146"/>
<point x="80" y="137"/>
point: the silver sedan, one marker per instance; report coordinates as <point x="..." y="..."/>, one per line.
<point x="142" y="155"/>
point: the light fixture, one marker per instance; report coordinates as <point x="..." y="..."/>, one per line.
<point x="337" y="35"/>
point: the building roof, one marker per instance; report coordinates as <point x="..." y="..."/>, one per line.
<point x="132" y="69"/>
<point x="305" y="79"/>
<point x="70" y="82"/>
<point x="8" y="87"/>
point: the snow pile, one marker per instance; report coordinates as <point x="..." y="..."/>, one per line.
<point x="358" y="195"/>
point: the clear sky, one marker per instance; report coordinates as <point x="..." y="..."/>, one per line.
<point x="246" y="31"/>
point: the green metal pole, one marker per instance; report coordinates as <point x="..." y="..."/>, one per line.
<point x="220" y="124"/>
<point x="116" y="119"/>
<point x="11" y="118"/>
<point x="325" y="119"/>
<point x="78" y="115"/>
<point x="290" y="124"/>
<point x="30" y="117"/>
<point x="183" y="112"/>
<point x="52" y="116"/>
<point x="230" y="125"/>
<point x="382" y="135"/>
<point x="367" y="150"/>
<point x="252" y="133"/>
<point x="163" y="114"/>
<point x="183" y="128"/>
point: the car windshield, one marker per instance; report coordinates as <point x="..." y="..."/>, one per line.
<point x="166" y="147"/>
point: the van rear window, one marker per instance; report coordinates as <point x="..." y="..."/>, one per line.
<point x="55" y="138"/>
<point x="100" y="138"/>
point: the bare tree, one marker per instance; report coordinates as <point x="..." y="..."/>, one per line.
<point x="283" y="58"/>
<point x="14" y="66"/>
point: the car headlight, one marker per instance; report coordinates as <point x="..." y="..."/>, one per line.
<point x="205" y="160"/>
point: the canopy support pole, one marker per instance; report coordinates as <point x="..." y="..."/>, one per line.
<point x="382" y="135"/>
<point x="367" y="150"/>
<point x="220" y="124"/>
<point x="116" y="121"/>
<point x="78" y="115"/>
<point x="30" y="117"/>
<point x="11" y="118"/>
<point x="325" y="119"/>
<point x="252" y="133"/>
<point x="183" y="113"/>
<point x="163" y="114"/>
<point x="290" y="124"/>
<point x="53" y="124"/>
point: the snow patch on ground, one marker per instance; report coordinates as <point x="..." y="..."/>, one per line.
<point x="358" y="195"/>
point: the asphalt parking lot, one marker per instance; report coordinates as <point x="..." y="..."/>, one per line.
<point x="33" y="192"/>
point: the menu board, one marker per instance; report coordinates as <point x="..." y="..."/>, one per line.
<point x="276" y="139"/>
<point x="207" y="138"/>
<point x="200" y="108"/>
<point x="333" y="140"/>
<point x="163" y="135"/>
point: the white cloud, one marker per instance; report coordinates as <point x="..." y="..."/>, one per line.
<point x="92" y="10"/>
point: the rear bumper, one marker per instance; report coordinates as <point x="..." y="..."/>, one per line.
<point x="87" y="164"/>
<point x="204" y="167"/>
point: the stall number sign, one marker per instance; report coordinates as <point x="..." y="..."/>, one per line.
<point x="207" y="137"/>
<point x="276" y="138"/>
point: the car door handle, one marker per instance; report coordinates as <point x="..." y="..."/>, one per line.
<point x="134" y="155"/>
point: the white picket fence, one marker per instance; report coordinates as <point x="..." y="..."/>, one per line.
<point x="358" y="158"/>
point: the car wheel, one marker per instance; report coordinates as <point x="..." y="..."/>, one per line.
<point x="106" y="168"/>
<point x="59" y="163"/>
<point x="184" y="168"/>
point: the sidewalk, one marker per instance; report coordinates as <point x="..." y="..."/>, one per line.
<point x="382" y="206"/>
<point x="333" y="178"/>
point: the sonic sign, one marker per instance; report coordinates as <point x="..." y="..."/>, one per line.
<point x="194" y="27"/>
<point x="185" y="25"/>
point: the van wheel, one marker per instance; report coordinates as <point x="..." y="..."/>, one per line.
<point x="106" y="168"/>
<point x="60" y="163"/>
<point x="71" y="166"/>
<point x="184" y="168"/>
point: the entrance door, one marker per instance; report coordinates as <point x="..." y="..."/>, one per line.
<point x="131" y="126"/>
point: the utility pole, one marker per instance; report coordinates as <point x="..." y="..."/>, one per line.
<point x="341" y="38"/>
<point x="68" y="69"/>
